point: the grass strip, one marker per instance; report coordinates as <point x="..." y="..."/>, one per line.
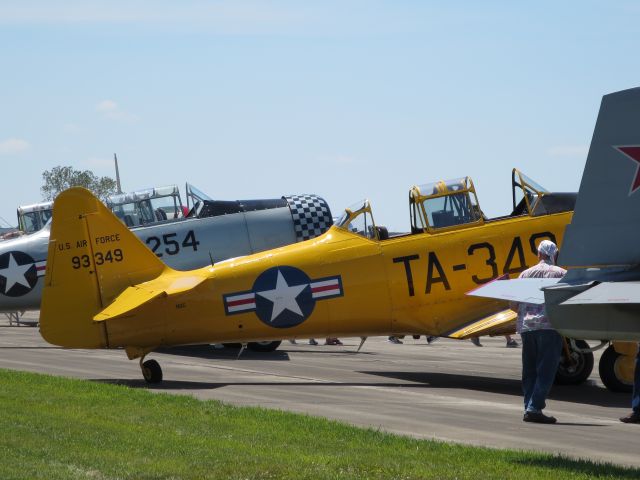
<point x="60" y="428"/>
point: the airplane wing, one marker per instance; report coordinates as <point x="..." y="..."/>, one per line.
<point x="137" y="295"/>
<point x="501" y="323"/>
<point x="525" y="290"/>
<point x="608" y="292"/>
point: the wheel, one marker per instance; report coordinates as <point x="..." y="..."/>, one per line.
<point x="151" y="371"/>
<point x="613" y="370"/>
<point x="577" y="369"/>
<point x="264" y="346"/>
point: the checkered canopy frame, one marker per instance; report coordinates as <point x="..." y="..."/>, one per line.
<point x="311" y="215"/>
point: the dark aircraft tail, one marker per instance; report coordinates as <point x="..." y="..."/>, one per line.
<point x="605" y="229"/>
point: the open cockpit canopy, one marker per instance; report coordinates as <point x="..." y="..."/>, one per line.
<point x="451" y="204"/>
<point x="203" y="205"/>
<point x="525" y="192"/>
<point x="32" y="218"/>
<point x="443" y="204"/>
<point x="358" y="219"/>
<point x="147" y="206"/>
<point x="529" y="198"/>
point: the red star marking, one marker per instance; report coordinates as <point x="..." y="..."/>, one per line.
<point x="633" y="152"/>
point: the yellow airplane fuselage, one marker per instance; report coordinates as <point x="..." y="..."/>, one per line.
<point x="105" y="289"/>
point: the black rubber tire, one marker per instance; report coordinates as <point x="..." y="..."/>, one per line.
<point x="565" y="376"/>
<point x="151" y="371"/>
<point x="264" y="346"/>
<point x="607" y="370"/>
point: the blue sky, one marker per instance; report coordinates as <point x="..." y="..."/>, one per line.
<point x="346" y="99"/>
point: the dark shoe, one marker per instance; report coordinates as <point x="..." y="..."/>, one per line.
<point x="512" y="343"/>
<point x="313" y="341"/>
<point x="476" y="341"/>
<point x="633" y="417"/>
<point x="431" y="339"/>
<point x="538" y="417"/>
<point x="395" y="340"/>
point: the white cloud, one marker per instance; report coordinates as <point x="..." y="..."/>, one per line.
<point x="107" y="106"/>
<point x="11" y="146"/>
<point x="110" y="109"/>
<point x="568" y="151"/>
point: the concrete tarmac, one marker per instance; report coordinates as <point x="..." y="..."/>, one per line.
<point x="450" y="390"/>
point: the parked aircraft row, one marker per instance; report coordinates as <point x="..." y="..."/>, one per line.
<point x="204" y="232"/>
<point x="105" y="289"/>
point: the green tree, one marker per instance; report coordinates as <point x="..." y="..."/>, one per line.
<point x="60" y="178"/>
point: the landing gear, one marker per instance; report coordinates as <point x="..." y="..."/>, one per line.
<point x="151" y="371"/>
<point x="616" y="370"/>
<point x="576" y="364"/>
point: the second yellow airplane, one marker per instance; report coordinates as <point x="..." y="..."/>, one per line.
<point x="106" y="289"/>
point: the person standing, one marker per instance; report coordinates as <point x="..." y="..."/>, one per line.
<point x="541" y="344"/>
<point x="634" y="416"/>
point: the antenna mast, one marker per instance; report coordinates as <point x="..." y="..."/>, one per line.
<point x="115" y="158"/>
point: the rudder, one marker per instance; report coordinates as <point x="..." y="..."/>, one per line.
<point x="604" y="229"/>
<point x="92" y="258"/>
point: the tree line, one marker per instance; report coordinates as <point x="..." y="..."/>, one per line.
<point x="60" y="178"/>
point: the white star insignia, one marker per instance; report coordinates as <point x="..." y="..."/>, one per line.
<point x="14" y="274"/>
<point x="283" y="297"/>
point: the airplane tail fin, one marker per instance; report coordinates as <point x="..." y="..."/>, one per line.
<point x="92" y="258"/>
<point x="604" y="229"/>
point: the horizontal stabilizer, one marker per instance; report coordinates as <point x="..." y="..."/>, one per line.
<point x="126" y="302"/>
<point x="607" y="292"/>
<point x="501" y="323"/>
<point x="136" y="296"/>
<point x="525" y="290"/>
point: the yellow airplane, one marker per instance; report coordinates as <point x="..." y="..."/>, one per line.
<point x="105" y="289"/>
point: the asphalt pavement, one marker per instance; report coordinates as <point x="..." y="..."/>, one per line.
<point x="449" y="390"/>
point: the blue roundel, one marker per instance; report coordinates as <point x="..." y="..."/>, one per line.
<point x="283" y="297"/>
<point x="18" y="273"/>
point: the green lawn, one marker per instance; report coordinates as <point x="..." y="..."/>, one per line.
<point x="52" y="427"/>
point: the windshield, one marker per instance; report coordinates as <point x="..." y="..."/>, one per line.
<point x="349" y="211"/>
<point x="33" y="221"/>
<point x="358" y="219"/>
<point x="534" y="185"/>
<point x="443" y="204"/>
<point x="454" y="209"/>
<point x="150" y="205"/>
<point x="526" y="192"/>
<point x="195" y="195"/>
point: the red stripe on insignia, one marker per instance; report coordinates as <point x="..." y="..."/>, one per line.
<point x="325" y="288"/>
<point x="235" y="303"/>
